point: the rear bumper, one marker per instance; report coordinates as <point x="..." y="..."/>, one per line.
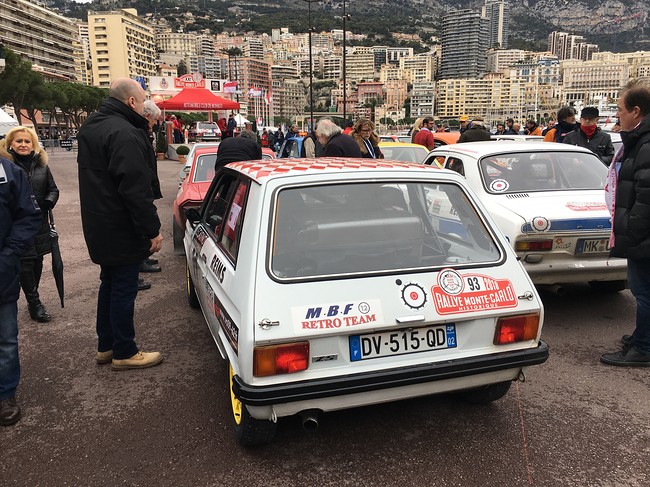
<point x="564" y="272"/>
<point x="387" y="379"/>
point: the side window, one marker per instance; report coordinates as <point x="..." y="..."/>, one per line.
<point x="456" y="165"/>
<point x="232" y="231"/>
<point x="218" y="205"/>
<point x="438" y="161"/>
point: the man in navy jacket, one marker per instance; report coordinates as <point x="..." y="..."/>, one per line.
<point x="20" y="221"/>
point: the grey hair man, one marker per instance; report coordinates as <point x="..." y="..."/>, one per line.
<point x="151" y="112"/>
<point x="119" y="219"/>
<point x="336" y="143"/>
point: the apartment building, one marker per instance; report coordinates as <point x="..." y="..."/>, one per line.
<point x="121" y="45"/>
<point x="360" y="64"/>
<point x="421" y="67"/>
<point x="589" y="81"/>
<point x="396" y="92"/>
<point x="179" y="43"/>
<point x="570" y="46"/>
<point x="497" y="12"/>
<point x="493" y="98"/>
<point x="638" y="61"/>
<point x="423" y="98"/>
<point x="289" y="97"/>
<point x="465" y="37"/>
<point x="83" y="61"/>
<point x="41" y="36"/>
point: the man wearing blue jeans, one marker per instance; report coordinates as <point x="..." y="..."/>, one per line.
<point x="120" y="221"/>
<point x="20" y="220"/>
<point x="631" y="223"/>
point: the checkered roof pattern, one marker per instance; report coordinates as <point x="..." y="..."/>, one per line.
<point x="259" y="170"/>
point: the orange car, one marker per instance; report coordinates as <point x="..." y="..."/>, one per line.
<point x="445" y="138"/>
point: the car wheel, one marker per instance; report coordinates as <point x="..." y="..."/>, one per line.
<point x="249" y="431"/>
<point x="192" y="298"/>
<point x="609" y="286"/>
<point x="486" y="394"/>
<point x="177" y="237"/>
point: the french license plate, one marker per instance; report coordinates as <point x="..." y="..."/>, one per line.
<point x="592" y="245"/>
<point x="374" y="345"/>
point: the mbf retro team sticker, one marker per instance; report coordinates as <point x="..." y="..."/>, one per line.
<point x="471" y="293"/>
<point x="323" y="318"/>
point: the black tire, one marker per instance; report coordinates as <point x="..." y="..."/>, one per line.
<point x="192" y="298"/>
<point x="486" y="394"/>
<point x="177" y="237"/>
<point x="249" y="431"/>
<point x="609" y="286"/>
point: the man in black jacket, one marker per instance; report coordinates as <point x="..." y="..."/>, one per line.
<point x="241" y="148"/>
<point x="120" y="221"/>
<point x="336" y="143"/>
<point x="589" y="136"/>
<point x="631" y="225"/>
<point x="20" y="220"/>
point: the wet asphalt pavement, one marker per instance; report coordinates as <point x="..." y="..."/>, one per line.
<point x="574" y="422"/>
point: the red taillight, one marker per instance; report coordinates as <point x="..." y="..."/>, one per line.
<point x="280" y="359"/>
<point x="533" y="245"/>
<point x="511" y="329"/>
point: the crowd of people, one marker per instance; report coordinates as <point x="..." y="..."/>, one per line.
<point x="118" y="186"/>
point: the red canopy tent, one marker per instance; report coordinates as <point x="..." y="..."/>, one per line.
<point x="197" y="99"/>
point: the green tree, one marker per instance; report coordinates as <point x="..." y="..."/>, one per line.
<point x="181" y="69"/>
<point x="20" y="86"/>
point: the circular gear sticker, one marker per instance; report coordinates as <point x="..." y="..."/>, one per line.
<point x="414" y="296"/>
<point x="499" y="185"/>
<point x="540" y="224"/>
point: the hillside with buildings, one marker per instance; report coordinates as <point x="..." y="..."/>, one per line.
<point x="616" y="25"/>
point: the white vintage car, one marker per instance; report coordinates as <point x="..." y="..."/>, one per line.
<point x="549" y="201"/>
<point x="333" y="283"/>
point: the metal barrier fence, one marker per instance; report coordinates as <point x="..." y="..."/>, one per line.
<point x="56" y="145"/>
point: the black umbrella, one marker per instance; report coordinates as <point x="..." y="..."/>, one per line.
<point x="57" y="262"/>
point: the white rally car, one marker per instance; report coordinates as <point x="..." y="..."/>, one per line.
<point x="332" y="283"/>
<point x="549" y="201"/>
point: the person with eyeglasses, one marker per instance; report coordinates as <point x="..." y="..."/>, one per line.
<point x="425" y="135"/>
<point x="368" y="142"/>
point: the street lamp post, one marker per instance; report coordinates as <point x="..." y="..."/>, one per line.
<point x="311" y="68"/>
<point x="345" y="98"/>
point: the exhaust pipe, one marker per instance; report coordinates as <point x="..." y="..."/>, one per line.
<point x="310" y="420"/>
<point x="556" y="289"/>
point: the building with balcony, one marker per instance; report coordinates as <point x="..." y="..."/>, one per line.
<point x="586" y="82"/>
<point x="423" y="98"/>
<point x="497" y="12"/>
<point x="465" y="38"/>
<point x="121" y="45"/>
<point x="570" y="46"/>
<point x="42" y="37"/>
<point x="494" y="98"/>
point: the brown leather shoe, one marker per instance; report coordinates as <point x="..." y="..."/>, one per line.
<point x="140" y="360"/>
<point x="9" y="411"/>
<point x="104" y="357"/>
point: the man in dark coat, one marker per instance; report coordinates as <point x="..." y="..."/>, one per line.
<point x="235" y="149"/>
<point x="336" y="143"/>
<point x="477" y="132"/>
<point x="120" y="221"/>
<point x="631" y="225"/>
<point x="591" y="137"/>
<point x="20" y="220"/>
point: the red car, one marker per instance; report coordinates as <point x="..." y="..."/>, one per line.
<point x="194" y="186"/>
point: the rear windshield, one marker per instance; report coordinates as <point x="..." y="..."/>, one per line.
<point x="207" y="125"/>
<point x="542" y="171"/>
<point x="376" y="227"/>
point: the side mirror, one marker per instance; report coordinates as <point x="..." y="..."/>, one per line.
<point x="193" y="215"/>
